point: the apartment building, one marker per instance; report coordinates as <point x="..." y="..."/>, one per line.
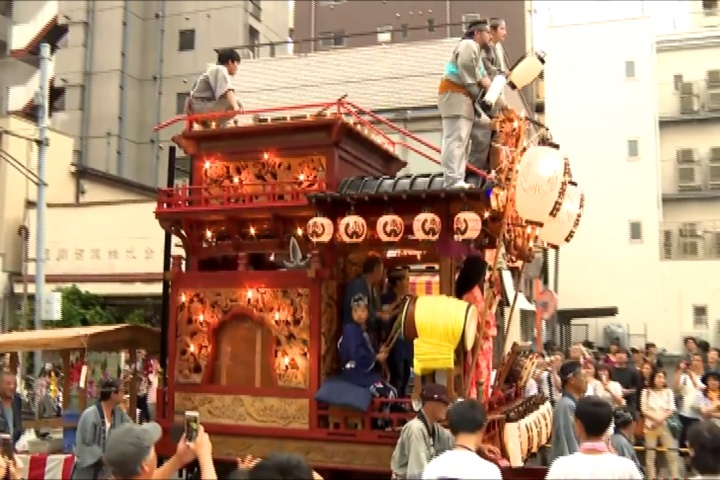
<point x="119" y="67"/>
<point x="688" y="70"/>
<point x="333" y="24"/>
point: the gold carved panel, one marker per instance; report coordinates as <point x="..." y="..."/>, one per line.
<point x="246" y="410"/>
<point x="326" y="453"/>
<point x="329" y="329"/>
<point x="282" y="316"/>
<point x="256" y="176"/>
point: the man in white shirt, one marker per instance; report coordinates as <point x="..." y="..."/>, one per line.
<point x="213" y="90"/>
<point x="593" y="460"/>
<point x="466" y="420"/>
<point x="687" y="386"/>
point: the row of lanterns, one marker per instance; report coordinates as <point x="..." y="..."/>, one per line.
<point x="546" y="197"/>
<point x="426" y="226"/>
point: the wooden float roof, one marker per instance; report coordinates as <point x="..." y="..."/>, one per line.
<point x="103" y="338"/>
<point x="425" y="185"/>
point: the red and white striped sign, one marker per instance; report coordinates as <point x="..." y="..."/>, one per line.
<point x="46" y="467"/>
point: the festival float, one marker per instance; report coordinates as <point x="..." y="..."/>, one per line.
<point x="281" y="209"/>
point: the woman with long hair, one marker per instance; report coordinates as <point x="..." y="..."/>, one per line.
<point x="590" y="368"/>
<point x="607" y="389"/>
<point x="657" y="404"/>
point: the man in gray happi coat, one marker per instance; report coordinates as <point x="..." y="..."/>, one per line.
<point x="95" y="425"/>
<point x="462" y="84"/>
<point x="213" y="90"/>
<point x="564" y="440"/>
<point x="422" y="438"/>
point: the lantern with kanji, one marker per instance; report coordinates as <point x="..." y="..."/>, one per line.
<point x="353" y="229"/>
<point x="390" y="228"/>
<point x="427" y="226"/>
<point x="320" y="229"/>
<point x="561" y="229"/>
<point x="467" y="226"/>
<point x="542" y="178"/>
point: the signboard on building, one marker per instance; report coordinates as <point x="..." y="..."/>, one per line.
<point x="51" y="307"/>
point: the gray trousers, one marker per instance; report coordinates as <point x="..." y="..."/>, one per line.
<point x="464" y="141"/>
<point x="200" y="106"/>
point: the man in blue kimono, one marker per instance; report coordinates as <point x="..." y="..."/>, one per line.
<point x="563" y="440"/>
<point x="372" y="275"/>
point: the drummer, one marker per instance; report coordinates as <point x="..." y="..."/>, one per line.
<point x="373" y="273"/>
<point x="401" y="354"/>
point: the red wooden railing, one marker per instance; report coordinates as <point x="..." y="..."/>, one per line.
<point x="208" y="197"/>
<point x="363" y="119"/>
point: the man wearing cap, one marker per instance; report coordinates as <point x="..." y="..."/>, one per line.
<point x="130" y="453"/>
<point x="93" y="429"/>
<point x="422" y="437"/>
<point x="461" y="86"/>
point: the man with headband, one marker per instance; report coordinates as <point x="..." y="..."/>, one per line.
<point x="462" y="84"/>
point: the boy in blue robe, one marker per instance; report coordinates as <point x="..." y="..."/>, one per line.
<point x="358" y="356"/>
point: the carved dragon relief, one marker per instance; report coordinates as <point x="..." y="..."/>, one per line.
<point x="285" y="313"/>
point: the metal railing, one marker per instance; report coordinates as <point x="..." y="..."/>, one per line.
<point x="695" y="176"/>
<point x="690" y="240"/>
<point x="688" y="99"/>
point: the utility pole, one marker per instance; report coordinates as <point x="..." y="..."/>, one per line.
<point x="43" y="108"/>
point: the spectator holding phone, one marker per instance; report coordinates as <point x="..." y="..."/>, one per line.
<point x="688" y="383"/>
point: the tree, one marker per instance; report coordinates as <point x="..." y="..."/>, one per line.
<point x="83" y="308"/>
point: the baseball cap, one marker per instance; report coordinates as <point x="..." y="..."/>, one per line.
<point x="433" y="392"/>
<point x="128" y="446"/>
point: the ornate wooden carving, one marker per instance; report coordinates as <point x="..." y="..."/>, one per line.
<point x="283" y="313"/>
<point x="245" y="410"/>
<point x="255" y="177"/>
<point x="326" y="453"/>
<point x="330" y="325"/>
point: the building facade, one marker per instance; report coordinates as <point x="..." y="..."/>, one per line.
<point x="333" y="24"/>
<point x="119" y="67"/>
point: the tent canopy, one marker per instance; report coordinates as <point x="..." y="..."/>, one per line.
<point x="105" y="338"/>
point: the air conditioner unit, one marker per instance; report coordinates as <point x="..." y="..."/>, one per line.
<point x="714" y="154"/>
<point x="384" y="37"/>
<point x="685" y="155"/>
<point x="468" y="18"/>
<point x="713" y="104"/>
<point x="714" y="175"/>
<point x="688" y="178"/>
<point x="688" y="230"/>
<point x="713" y="79"/>
<point x="689" y="248"/>
<point x="689" y="104"/>
<point x="687" y="88"/>
<point x="667" y="244"/>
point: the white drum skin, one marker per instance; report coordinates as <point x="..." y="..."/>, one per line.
<point x="513" y="447"/>
<point x="471" y="326"/>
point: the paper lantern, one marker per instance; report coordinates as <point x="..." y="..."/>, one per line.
<point x="390" y="228"/>
<point x="353" y="229"/>
<point x="543" y="175"/>
<point x="527" y="70"/>
<point x="426" y="226"/>
<point x="561" y="229"/>
<point x="467" y="226"/>
<point x="320" y="229"/>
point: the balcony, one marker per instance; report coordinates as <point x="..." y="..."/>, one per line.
<point x="20" y="97"/>
<point x="690" y="240"/>
<point x="41" y="26"/>
<point x="689" y="100"/>
<point x="690" y="176"/>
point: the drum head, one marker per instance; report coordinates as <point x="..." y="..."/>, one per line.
<point x="471" y="326"/>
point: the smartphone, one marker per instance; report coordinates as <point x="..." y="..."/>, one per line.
<point x="6" y="446"/>
<point x="192" y="425"/>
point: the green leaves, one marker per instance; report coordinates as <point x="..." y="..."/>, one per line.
<point x="82" y="308"/>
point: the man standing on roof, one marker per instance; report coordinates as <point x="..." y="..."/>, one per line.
<point x="213" y="90"/>
<point x="498" y="32"/>
<point x="462" y="84"/>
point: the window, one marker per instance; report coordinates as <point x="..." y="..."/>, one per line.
<point x="180" y="102"/>
<point x="332" y="39"/>
<point x="629" y="69"/>
<point x="254" y="41"/>
<point x="431" y="25"/>
<point x="633" y="149"/>
<point x="700" y="316"/>
<point x="468" y="18"/>
<point x="677" y="81"/>
<point x="272" y="50"/>
<point x="256" y="10"/>
<point x="710" y="7"/>
<point x="404" y="30"/>
<point x="186" y="40"/>
<point x="635" y="231"/>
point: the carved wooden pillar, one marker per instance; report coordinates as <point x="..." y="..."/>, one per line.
<point x="242" y="262"/>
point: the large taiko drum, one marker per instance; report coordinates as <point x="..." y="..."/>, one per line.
<point x="470" y="315"/>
